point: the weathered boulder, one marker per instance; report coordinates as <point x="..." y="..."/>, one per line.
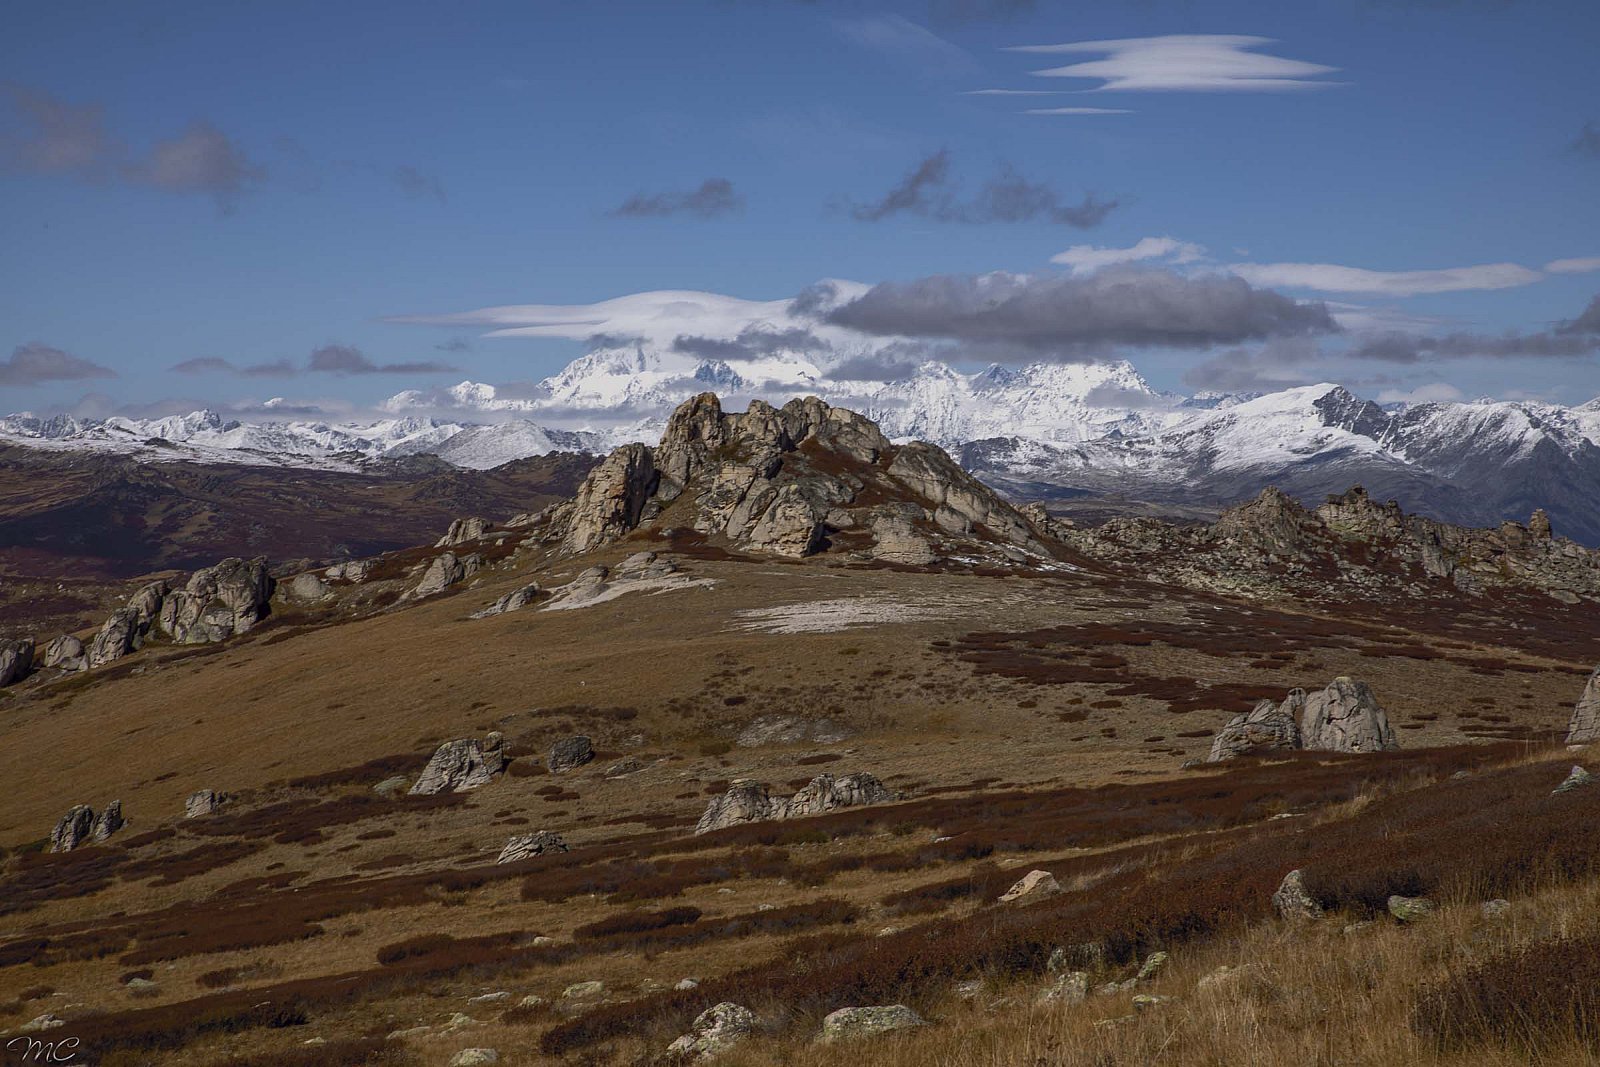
<point x="570" y="752"/>
<point x="611" y="498"/>
<point x="146" y="603"/>
<point x="1153" y="965"/>
<point x="715" y="1030"/>
<point x="1410" y="909"/>
<point x="307" y="588"/>
<point x="897" y="540"/>
<point x="202" y="802"/>
<point x="749" y="801"/>
<point x="218" y="602"/>
<point x="515" y="600"/>
<point x="1269" y="726"/>
<point x="849" y="1023"/>
<point x="1585" y="725"/>
<point x="1575" y="780"/>
<point x="119" y="635"/>
<point x="107" y="822"/>
<point x="1346" y="717"/>
<point x="1035" y="885"/>
<point x="475" y="1057"/>
<point x="1071" y="987"/>
<point x="65" y="653"/>
<point x="745" y="801"/>
<point x="462" y="764"/>
<point x="443" y="571"/>
<point x="16" y="659"/>
<point x="463" y="530"/>
<point x="73" y="829"/>
<point x="355" y="570"/>
<point x="789" y="730"/>
<point x="1293" y="900"/>
<point x="526" y="846"/>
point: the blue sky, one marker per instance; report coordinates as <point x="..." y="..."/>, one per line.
<point x="256" y="183"/>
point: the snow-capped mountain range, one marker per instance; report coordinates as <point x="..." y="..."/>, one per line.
<point x="1040" y="430"/>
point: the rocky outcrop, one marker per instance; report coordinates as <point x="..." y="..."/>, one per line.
<point x="1410" y="909"/>
<point x="16" y="659"/>
<point x="65" y="653"/>
<point x="462" y="764"/>
<point x="1269" y="726"/>
<point x="1035" y="885"/>
<point x="790" y="730"/>
<point x="202" y="802"/>
<point x="107" y="822"/>
<point x="847" y="1023"/>
<point x="443" y="571"/>
<point x="785" y="481"/>
<point x="73" y="829"/>
<point x="515" y="600"/>
<point x="526" y="846"/>
<point x="715" y="1030"/>
<point x="119" y="635"/>
<point x="355" y="570"/>
<point x="462" y="531"/>
<point x="750" y="801"/>
<point x="1293" y="900"/>
<point x="1585" y="725"/>
<point x="308" y="588"/>
<point x="1578" y="778"/>
<point x="570" y="752"/>
<point x="1346" y="717"/>
<point x="217" y="602"/>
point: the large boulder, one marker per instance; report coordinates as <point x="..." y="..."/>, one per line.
<point x="202" y="802"/>
<point x="1585" y="726"/>
<point x="750" y="801"/>
<point x="443" y="571"/>
<point x="218" y="602"/>
<point x="462" y="764"/>
<point x="1293" y="900"/>
<point x="355" y="570"/>
<point x="515" y="600"/>
<point x="526" y="846"/>
<point x="463" y="530"/>
<point x="16" y="659"/>
<point x="849" y="1023"/>
<point x="119" y="635"/>
<point x="146" y="603"/>
<point x="1033" y="886"/>
<point x="611" y="499"/>
<point x="1269" y="726"/>
<point x="1346" y="717"/>
<point x="107" y="822"/>
<point x="896" y="539"/>
<point x="715" y="1030"/>
<point x="745" y="801"/>
<point x="65" y="653"/>
<point x="308" y="588"/>
<point x="73" y="829"/>
<point x="570" y="752"/>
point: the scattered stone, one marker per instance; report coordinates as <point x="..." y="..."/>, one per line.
<point x="624" y="767"/>
<point x="16" y="659"/>
<point x="463" y="530"/>
<point x="749" y="801"/>
<point x="542" y="940"/>
<point x="1269" y="726"/>
<point x="47" y="1021"/>
<point x="138" y="986"/>
<point x="389" y="787"/>
<point x="1070" y="988"/>
<point x="462" y="764"/>
<point x="107" y="823"/>
<point x="1146" y="1001"/>
<point x="202" y="802"/>
<point x="1497" y="908"/>
<point x="569" y="753"/>
<point x="686" y="984"/>
<point x="532" y="1000"/>
<point x="1035" y="885"/>
<point x="1154" y="964"/>
<point x="459" y="1021"/>
<point x="583" y="990"/>
<point x="66" y="653"/>
<point x="868" y="1022"/>
<point x="1293" y="900"/>
<point x="308" y="588"/>
<point x="790" y="730"/>
<point x="526" y="846"/>
<point x="490" y="998"/>
<point x="354" y="571"/>
<point x="444" y="571"/>
<point x="715" y="1030"/>
<point x="73" y="829"/>
<point x="515" y="600"/>
<point x="1410" y="909"/>
<point x="1577" y="779"/>
<point x="475" y="1057"/>
<point x="1585" y="725"/>
<point x="401" y="1035"/>
<point x="218" y="602"/>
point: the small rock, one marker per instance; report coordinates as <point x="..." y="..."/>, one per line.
<point x="1070" y="988"/>
<point x="1035" y="885"/>
<point x="515" y="600"/>
<point x="532" y="1000"/>
<point x="1154" y="964"/>
<point x="687" y="983"/>
<point x="542" y="940"/>
<point x="1496" y="908"/>
<point x="715" y="1030"/>
<point x="1576" y="780"/>
<point x="137" y="986"/>
<point x="623" y="768"/>
<point x="462" y="531"/>
<point x="526" y="846"/>
<point x="489" y="998"/>
<point x="401" y="1035"/>
<point x="1410" y="909"/>
<point x="1293" y="900"/>
<point x="569" y="753"/>
<point x="1357" y="927"/>
<point x="1146" y="1001"/>
<point x="868" y="1022"/>
<point x="475" y="1057"/>
<point x="16" y="659"/>
<point x="970" y="990"/>
<point x="201" y="802"/>
<point x="583" y="990"/>
<point x="307" y="587"/>
<point x="1112" y="1024"/>
<point x="47" y="1021"/>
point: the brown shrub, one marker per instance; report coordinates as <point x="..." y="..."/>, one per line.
<point x="636" y="922"/>
<point x="1541" y="995"/>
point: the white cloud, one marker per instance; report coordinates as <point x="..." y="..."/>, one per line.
<point x="1333" y="278"/>
<point x="900" y="38"/>
<point x="1431" y="393"/>
<point x="1015" y="92"/>
<point x="1578" y="265"/>
<point x="1085" y="259"/>
<point x="1078" y="111"/>
<point x="1185" y="62"/>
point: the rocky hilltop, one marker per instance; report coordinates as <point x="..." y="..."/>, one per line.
<point x="796" y="481"/>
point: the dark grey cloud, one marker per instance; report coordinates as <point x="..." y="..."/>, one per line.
<point x="1278" y="364"/>
<point x="202" y="160"/>
<point x="877" y="367"/>
<point x="1587" y="143"/>
<point x="1573" y="339"/>
<point x="205" y="365"/>
<point x="928" y="192"/>
<point x="35" y="363"/>
<point x="1586" y="324"/>
<point x="455" y="344"/>
<point x="46" y="135"/>
<point x="278" y="368"/>
<point x="347" y="359"/>
<point x="813" y="300"/>
<point x="714" y="198"/>
<point x="1018" y="316"/>
<point x="1109" y="395"/>
<point x="751" y="343"/>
